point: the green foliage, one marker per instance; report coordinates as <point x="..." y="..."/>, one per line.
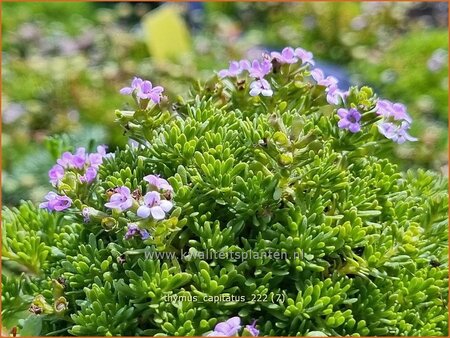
<point x="103" y="313"/>
<point x="82" y="53"/>
<point x="55" y="12"/>
<point x="27" y="235"/>
<point x="15" y="299"/>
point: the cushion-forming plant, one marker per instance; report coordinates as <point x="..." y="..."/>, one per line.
<point x="262" y="204"/>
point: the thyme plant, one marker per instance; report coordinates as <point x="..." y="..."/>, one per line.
<point x="262" y="204"/>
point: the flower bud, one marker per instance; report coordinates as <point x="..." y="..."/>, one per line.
<point x="282" y="106"/>
<point x="125" y="115"/>
<point x="68" y="185"/>
<point x="285" y="159"/>
<point x="40" y="306"/>
<point x="275" y="122"/>
<point x="58" y="288"/>
<point x="109" y="223"/>
<point x="93" y="215"/>
<point x="281" y="139"/>
<point x="60" y="306"/>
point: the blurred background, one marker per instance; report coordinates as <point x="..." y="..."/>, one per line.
<point x="64" y="63"/>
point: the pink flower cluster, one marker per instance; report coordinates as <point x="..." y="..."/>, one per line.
<point x="395" y="121"/>
<point x="156" y="203"/>
<point x="394" y="124"/>
<point x="258" y="69"/>
<point x="82" y="164"/>
<point x="334" y="94"/>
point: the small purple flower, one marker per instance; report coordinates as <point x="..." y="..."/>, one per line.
<point x="134" y="230"/>
<point x="260" y="69"/>
<point x="55" y="202"/>
<point x="135" y="84"/>
<point x="66" y="159"/>
<point x="89" y="175"/>
<point x="95" y="159"/>
<point x="396" y="133"/>
<point x="147" y="91"/>
<point x="260" y="86"/>
<point x="158" y="182"/>
<point x="233" y="70"/>
<point x="252" y="329"/>
<point x="121" y="200"/>
<point x="56" y="173"/>
<point x="397" y="111"/>
<point x="305" y="56"/>
<point x="144" y="90"/>
<point x="349" y="119"/>
<point x="69" y="160"/>
<point x="86" y="215"/>
<point x="245" y="65"/>
<point x="101" y="149"/>
<point x="321" y="80"/>
<point x="144" y="234"/>
<point x="79" y="159"/>
<point x="395" y="121"/>
<point x="227" y="328"/>
<point x="154" y="206"/>
<point x="334" y="94"/>
<point x="287" y="55"/>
